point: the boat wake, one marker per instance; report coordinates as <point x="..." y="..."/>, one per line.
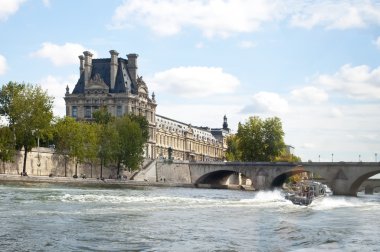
<point x="334" y="202"/>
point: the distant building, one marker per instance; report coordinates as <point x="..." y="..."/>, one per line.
<point x="113" y="83"/>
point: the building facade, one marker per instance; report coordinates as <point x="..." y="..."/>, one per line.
<point x="114" y="83"/>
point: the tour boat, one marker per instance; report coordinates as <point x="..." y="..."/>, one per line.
<point x="305" y="192"/>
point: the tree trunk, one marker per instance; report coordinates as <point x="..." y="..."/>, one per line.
<point x="24" y="165"/>
<point x="101" y="168"/>
<point x="76" y="169"/>
<point x="118" y="170"/>
<point x="65" y="166"/>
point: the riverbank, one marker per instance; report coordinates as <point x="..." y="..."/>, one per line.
<point x="106" y="183"/>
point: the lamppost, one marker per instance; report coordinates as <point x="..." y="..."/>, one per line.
<point x="375" y="157"/>
<point x="319" y="158"/>
<point x="332" y="157"/>
<point x="359" y="158"/>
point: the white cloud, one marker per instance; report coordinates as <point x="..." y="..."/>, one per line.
<point x="213" y="18"/>
<point x="199" y="45"/>
<point x="46" y="3"/>
<point x="56" y="87"/>
<point x="193" y="82"/>
<point x="3" y="65"/>
<point x="310" y="94"/>
<point x="267" y="103"/>
<point x="223" y="18"/>
<point x="377" y="42"/>
<point x="61" y="55"/>
<point x="9" y="7"/>
<point x="358" y="82"/>
<point x="331" y="128"/>
<point x="333" y="14"/>
<point x="247" y="44"/>
<point x="336" y="112"/>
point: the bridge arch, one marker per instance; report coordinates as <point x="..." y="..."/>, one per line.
<point x="279" y="180"/>
<point x="216" y="177"/>
<point x="357" y="183"/>
<point x="220" y="177"/>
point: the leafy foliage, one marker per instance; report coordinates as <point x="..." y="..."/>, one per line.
<point x="143" y="123"/>
<point x="7" y="149"/>
<point x="107" y="138"/>
<point x="232" y="153"/>
<point x="28" y="110"/>
<point x="285" y="156"/>
<point x="129" y="143"/>
<point x="102" y="116"/>
<point x="76" y="140"/>
<point x="257" y="140"/>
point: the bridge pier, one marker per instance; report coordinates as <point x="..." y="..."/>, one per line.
<point x="368" y="190"/>
<point x="234" y="179"/>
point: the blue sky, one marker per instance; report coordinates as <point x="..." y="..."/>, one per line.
<point x="314" y="64"/>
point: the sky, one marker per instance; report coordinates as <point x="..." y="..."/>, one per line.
<point x="313" y="64"/>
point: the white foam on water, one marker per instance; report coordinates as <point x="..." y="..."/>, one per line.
<point x="268" y="196"/>
<point x="268" y="199"/>
<point x="334" y="202"/>
<point x="101" y="198"/>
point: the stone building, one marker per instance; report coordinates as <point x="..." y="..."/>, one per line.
<point x="114" y="83"/>
<point x="187" y="142"/>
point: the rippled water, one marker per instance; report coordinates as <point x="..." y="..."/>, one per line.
<point x="54" y="218"/>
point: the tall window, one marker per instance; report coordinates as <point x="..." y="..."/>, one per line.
<point x="87" y="112"/>
<point x="74" y="111"/>
<point x="119" y="111"/>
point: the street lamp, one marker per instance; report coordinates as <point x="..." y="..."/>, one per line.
<point x="319" y="158"/>
<point x="375" y="157"/>
<point x="332" y="157"/>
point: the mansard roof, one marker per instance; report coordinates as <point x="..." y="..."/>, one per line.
<point x="102" y="68"/>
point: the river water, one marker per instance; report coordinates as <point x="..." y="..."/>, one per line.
<point x="53" y="218"/>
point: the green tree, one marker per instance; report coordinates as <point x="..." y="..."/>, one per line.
<point x="233" y="153"/>
<point x="28" y="110"/>
<point x="66" y="135"/>
<point x="285" y="156"/>
<point x="258" y="140"/>
<point x="7" y="145"/>
<point x="128" y="149"/>
<point x="90" y="143"/>
<point x="273" y="135"/>
<point x="102" y="116"/>
<point x="143" y="123"/>
<point x="76" y="140"/>
<point x="107" y="141"/>
<point x="107" y="137"/>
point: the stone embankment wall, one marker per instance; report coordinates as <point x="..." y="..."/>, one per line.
<point x="173" y="172"/>
<point x="43" y="162"/>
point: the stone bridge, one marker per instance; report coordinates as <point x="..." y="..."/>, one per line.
<point x="344" y="178"/>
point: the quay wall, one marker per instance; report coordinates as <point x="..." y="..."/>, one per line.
<point x="44" y="161"/>
<point x="173" y="172"/>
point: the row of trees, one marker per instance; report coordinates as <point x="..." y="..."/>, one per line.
<point x="259" y="140"/>
<point x="105" y="141"/>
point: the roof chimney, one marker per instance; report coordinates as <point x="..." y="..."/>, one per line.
<point x="132" y="66"/>
<point x="87" y="66"/>
<point x="81" y="64"/>
<point x="113" y="69"/>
